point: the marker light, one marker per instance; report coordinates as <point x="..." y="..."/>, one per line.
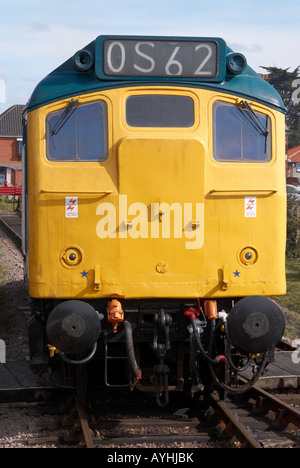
<point x="248" y="256"/>
<point x="83" y="60"/>
<point x="236" y="63"/>
<point x="71" y="256"/>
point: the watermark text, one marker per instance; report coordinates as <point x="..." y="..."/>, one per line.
<point x="173" y="458"/>
<point x="296" y="353"/>
<point x="2" y="352"/>
<point x="296" y="93"/>
<point x="157" y="220"/>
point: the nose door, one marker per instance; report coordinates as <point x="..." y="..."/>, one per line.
<point x="161" y="215"/>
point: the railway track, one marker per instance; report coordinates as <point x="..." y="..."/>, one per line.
<point x="97" y="429"/>
<point x="255" y="420"/>
<point x="11" y="225"/>
<point x="258" y="419"/>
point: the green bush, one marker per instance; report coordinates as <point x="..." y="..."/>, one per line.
<point x="293" y="229"/>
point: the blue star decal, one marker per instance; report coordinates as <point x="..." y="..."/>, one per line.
<point x="83" y="273"/>
<point x="236" y="273"/>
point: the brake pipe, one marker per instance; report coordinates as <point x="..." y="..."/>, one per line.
<point x="81" y="361"/>
<point x="130" y="351"/>
<point x="228" y="354"/>
<point x="192" y="313"/>
<point x="223" y="317"/>
<point x="245" y="387"/>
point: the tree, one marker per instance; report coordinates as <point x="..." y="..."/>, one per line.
<point x="286" y="83"/>
<point x="293" y="239"/>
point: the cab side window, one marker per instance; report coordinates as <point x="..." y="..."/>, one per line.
<point x="78" y="133"/>
<point x="240" y="134"/>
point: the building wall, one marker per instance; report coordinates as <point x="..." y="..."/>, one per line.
<point x="10" y="154"/>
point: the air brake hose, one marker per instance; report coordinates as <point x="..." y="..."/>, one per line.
<point x="220" y="358"/>
<point x="130" y="350"/>
<point x="208" y="359"/>
<point x="243" y="388"/>
<point x="228" y="354"/>
<point x="81" y="361"/>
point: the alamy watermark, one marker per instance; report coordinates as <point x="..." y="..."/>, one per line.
<point x="157" y="220"/>
<point x="296" y="353"/>
<point x="296" y="93"/>
<point x="2" y="352"/>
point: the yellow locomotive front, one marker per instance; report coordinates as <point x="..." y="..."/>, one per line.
<point x="171" y="189"/>
<point x="164" y="212"/>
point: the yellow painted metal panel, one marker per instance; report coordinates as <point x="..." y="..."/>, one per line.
<point x="160" y="217"/>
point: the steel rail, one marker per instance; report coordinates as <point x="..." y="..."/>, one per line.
<point x="9" y="230"/>
<point x="271" y="402"/>
<point x="231" y="418"/>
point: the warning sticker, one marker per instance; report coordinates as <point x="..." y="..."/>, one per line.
<point x="71" y="207"/>
<point x="250" y="207"/>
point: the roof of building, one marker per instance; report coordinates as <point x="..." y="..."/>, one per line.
<point x="294" y="154"/>
<point x="11" y="121"/>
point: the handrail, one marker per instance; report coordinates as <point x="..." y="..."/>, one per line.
<point x="80" y="192"/>
<point x="242" y="192"/>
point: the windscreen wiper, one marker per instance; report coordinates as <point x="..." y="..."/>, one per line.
<point x="66" y="114"/>
<point x="253" y="118"/>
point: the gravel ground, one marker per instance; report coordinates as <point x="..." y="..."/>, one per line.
<point x="13" y="328"/>
<point x="14" y="422"/>
<point x="18" y="428"/>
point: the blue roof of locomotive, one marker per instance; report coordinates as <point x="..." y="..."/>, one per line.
<point x="66" y="81"/>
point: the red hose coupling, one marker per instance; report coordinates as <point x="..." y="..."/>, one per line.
<point x="138" y="377"/>
<point x="222" y="358"/>
<point x="191" y="312"/>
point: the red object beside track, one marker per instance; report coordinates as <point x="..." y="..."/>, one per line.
<point x="10" y="190"/>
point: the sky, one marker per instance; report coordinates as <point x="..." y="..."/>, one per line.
<point x="36" y="36"/>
